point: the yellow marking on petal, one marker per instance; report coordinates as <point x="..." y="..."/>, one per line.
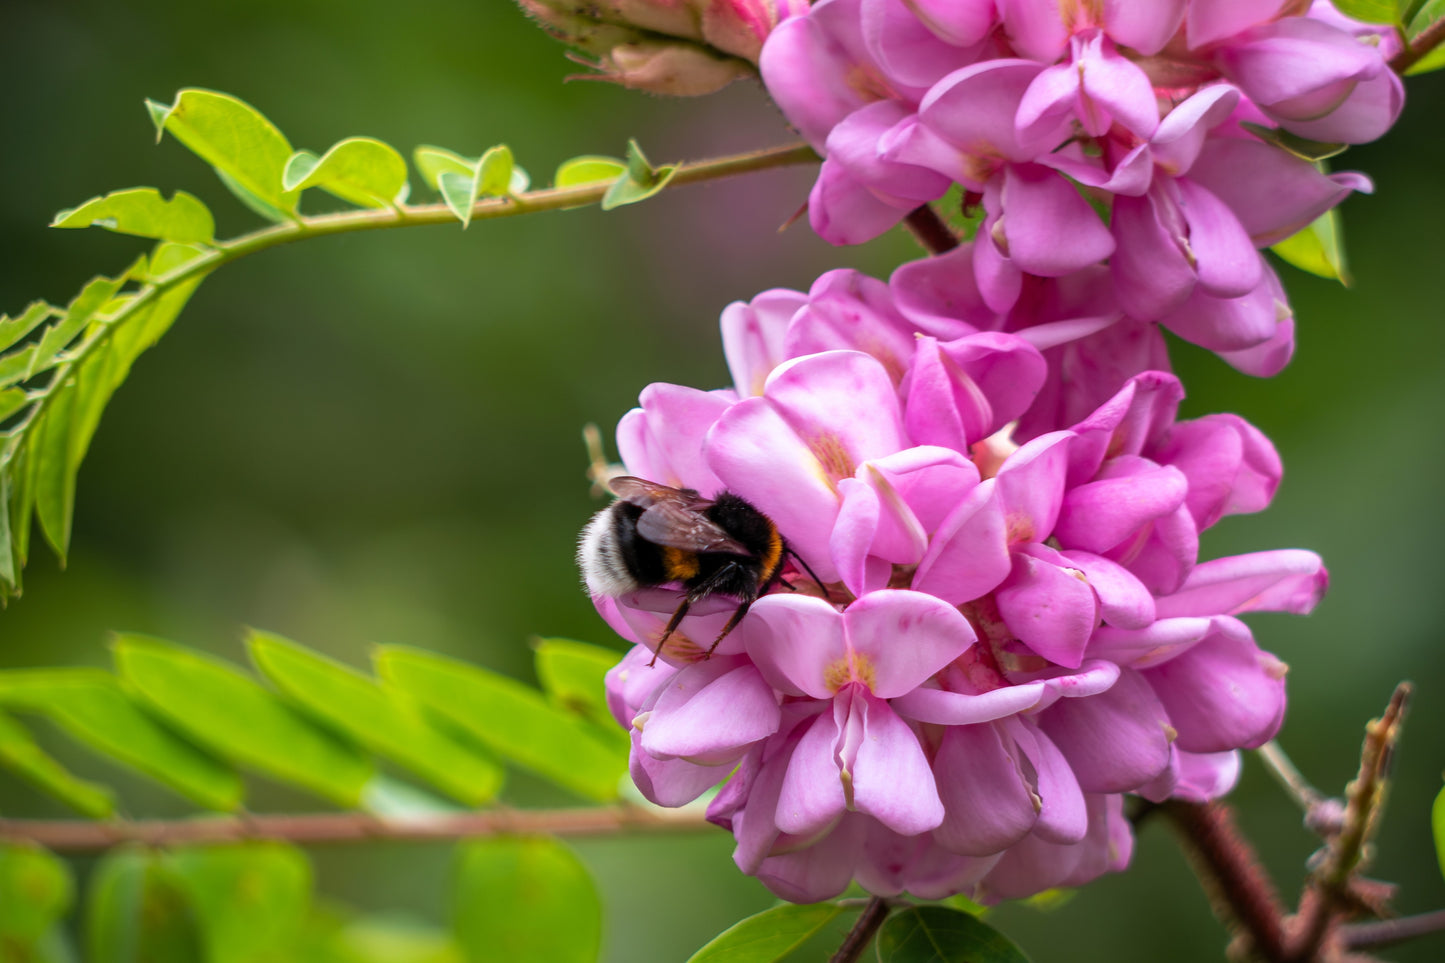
<point x="846" y="778"/>
<point x="1020" y="528"/>
<point x="639" y="721"/>
<point x="853" y="667"/>
<point x="1078" y="575"/>
<point x="837" y="462"/>
<point x="1170" y="733"/>
<point x="1273" y="667"/>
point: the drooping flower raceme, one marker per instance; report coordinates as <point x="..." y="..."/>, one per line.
<point x="1014" y="628"/>
<point x="1164" y="114"/>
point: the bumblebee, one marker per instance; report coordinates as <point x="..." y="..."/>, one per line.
<point x="654" y="534"/>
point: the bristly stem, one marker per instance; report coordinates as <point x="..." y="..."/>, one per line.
<point x="1238" y="887"/>
<point x="863" y="931"/>
<point x="78" y="836"/>
<point x="930" y="230"/>
<point x="1416" y="50"/>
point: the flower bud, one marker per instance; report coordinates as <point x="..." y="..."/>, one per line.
<point x="680" y="47"/>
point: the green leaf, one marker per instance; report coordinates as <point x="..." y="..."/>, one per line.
<point x="574" y="675"/>
<point x="388" y="940"/>
<point x="20" y="755"/>
<point x="937" y="934"/>
<point x="54" y="470"/>
<point x="360" y="170"/>
<point x="1427" y="15"/>
<point x="227" y="712"/>
<point x="144" y="212"/>
<point x="642" y="180"/>
<point x="1318" y="249"/>
<point x="768" y="936"/>
<point x="234" y="138"/>
<point x="13" y="329"/>
<point x="460" y="191"/>
<point x="510" y="718"/>
<point x="1370" y="11"/>
<point x="525" y="899"/>
<point x="1437" y="825"/>
<point x="91" y="707"/>
<point x="138" y="914"/>
<point x="35" y="892"/>
<point x="385" y="722"/>
<point x="11" y="401"/>
<point x="251" y="898"/>
<point x="78" y="313"/>
<point x="494" y="172"/>
<point x="433" y="161"/>
<point x="588" y="169"/>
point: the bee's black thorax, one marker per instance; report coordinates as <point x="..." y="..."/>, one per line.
<point x="705" y="573"/>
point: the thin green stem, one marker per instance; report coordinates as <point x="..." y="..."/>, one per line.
<point x="323" y="225"/>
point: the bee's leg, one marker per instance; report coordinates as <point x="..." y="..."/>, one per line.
<point x="821" y="587"/>
<point x="738" y="614"/>
<point x="672" y="625"/>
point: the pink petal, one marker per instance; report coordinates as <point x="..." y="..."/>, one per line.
<point x="1283" y="194"/>
<point x="969" y="554"/>
<point x="1050" y="609"/>
<point x="849" y="310"/>
<point x="1051" y="230"/>
<point x="1231" y="466"/>
<point x="853" y="536"/>
<point x="810" y="71"/>
<point x="1062" y="816"/>
<point x="1226" y="262"/>
<point x="711" y="712"/>
<point x="671" y="782"/>
<point x="818" y="872"/>
<point x="1286" y="580"/>
<point x="844" y="210"/>
<point x="905" y="637"/>
<point x="1184" y="131"/>
<point x="891" y="779"/>
<point x="1157" y="643"/>
<point x="940" y="296"/>
<point x="662" y="440"/>
<point x="1149" y="266"/>
<point x="1100" y="515"/>
<point x="987" y="805"/>
<point x="1367" y="113"/>
<point x="961" y="24"/>
<point x="1294" y="58"/>
<point x="793" y="639"/>
<point x="811" y="798"/>
<point x="1211" y="20"/>
<point x="752" y="335"/>
<point x="973" y="109"/>
<point x="1230" y="324"/>
<point x="1268" y="358"/>
<point x="1115" y="741"/>
<point x="1223" y="693"/>
<point x="1031" y="486"/>
<point x="962" y="709"/>
<point x="1146" y="27"/>
<point x="1124" y="601"/>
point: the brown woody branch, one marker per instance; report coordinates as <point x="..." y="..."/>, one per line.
<point x="76" y="836"/>
<point x="1425" y="41"/>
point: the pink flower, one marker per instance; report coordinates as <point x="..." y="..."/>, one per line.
<point x="1012" y="635"/>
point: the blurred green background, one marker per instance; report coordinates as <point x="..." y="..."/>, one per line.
<point x="376" y="438"/>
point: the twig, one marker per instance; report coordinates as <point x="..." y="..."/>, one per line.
<point x="1363" y="936"/>
<point x="1328" y="890"/>
<point x="930" y="230"/>
<point x="1238" y="887"/>
<point x="1323" y="815"/>
<point x="76" y="836"/>
<point x="863" y="931"/>
<point x="1425" y="41"/>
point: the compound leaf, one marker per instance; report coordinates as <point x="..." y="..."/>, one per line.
<point x="228" y="712"/>
<point x="20" y="755"/>
<point x="510" y="718"/>
<point x="937" y="934"/>
<point x="769" y="936"/>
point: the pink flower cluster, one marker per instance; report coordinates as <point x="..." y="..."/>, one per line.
<point x="1015" y="628"/>
<point x="1160" y="114"/>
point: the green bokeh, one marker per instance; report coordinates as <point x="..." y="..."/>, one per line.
<point x="376" y="438"/>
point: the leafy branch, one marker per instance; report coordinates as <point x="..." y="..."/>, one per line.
<point x="59" y="366"/>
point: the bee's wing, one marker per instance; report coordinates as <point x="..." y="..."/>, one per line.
<point x="677" y="525"/>
<point x="640" y="491"/>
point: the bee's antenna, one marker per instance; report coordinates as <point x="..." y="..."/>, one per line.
<point x="819" y="582"/>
